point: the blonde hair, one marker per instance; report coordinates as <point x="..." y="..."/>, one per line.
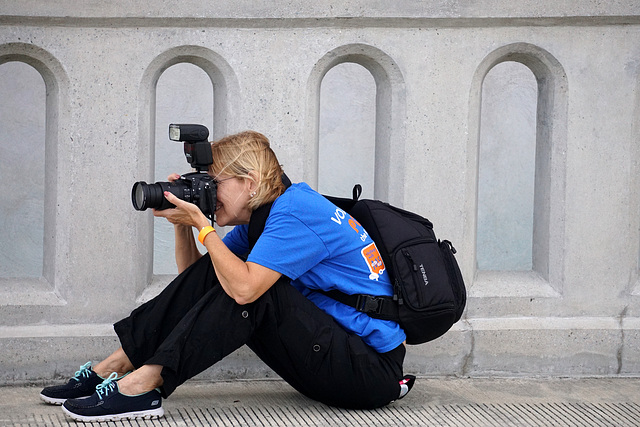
<point x="237" y="155"/>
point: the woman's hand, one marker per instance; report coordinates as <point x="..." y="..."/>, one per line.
<point x="184" y="213"/>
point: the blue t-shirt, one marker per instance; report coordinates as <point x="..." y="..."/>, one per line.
<point x="319" y="246"/>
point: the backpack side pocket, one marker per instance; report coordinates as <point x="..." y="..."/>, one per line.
<point x="455" y="277"/>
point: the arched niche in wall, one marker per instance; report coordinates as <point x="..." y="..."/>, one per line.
<point x="544" y="277"/>
<point x="635" y="193"/>
<point x="184" y="94"/>
<point x="22" y="169"/>
<point x="389" y="112"/>
<point x="217" y="77"/>
<point x="506" y="168"/>
<point x="30" y="147"/>
<point x="346" y="136"/>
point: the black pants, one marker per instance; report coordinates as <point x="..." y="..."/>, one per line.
<point x="193" y="324"/>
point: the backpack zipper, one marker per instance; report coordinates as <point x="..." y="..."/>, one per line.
<point x="397" y="292"/>
<point x="420" y="300"/>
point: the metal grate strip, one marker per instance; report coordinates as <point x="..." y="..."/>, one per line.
<point x="457" y="415"/>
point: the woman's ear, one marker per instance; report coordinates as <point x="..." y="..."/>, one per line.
<point x="253" y="181"/>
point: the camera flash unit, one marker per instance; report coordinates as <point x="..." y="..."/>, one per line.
<point x="188" y="133"/>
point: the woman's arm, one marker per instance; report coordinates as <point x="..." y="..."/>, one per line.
<point x="185" y="247"/>
<point x="243" y="281"/>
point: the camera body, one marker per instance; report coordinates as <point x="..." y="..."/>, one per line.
<point x="196" y="187"/>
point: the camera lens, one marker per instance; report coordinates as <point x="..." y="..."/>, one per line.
<point x="147" y="196"/>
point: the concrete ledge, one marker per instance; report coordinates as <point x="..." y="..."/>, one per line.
<point x="29" y="292"/>
<point x="518" y="284"/>
<point x="477" y="347"/>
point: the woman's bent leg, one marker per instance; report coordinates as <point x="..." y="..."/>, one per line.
<point x="214" y="328"/>
<point x="151" y="323"/>
<point x="300" y="342"/>
<point x="190" y="326"/>
<point x="319" y="358"/>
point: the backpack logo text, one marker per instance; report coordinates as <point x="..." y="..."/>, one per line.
<point x="424" y="275"/>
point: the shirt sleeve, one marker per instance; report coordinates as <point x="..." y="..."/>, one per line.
<point x="287" y="245"/>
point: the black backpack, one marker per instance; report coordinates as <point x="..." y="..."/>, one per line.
<point x="429" y="295"/>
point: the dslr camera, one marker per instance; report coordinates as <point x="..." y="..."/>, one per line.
<point x="196" y="187"/>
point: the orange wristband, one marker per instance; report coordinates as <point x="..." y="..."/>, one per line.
<point x="205" y="232"/>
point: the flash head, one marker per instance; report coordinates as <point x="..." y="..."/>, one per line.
<point x="188" y="133"/>
<point x="197" y="148"/>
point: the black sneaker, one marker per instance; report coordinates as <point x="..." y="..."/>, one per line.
<point x="108" y="404"/>
<point x="406" y="384"/>
<point x="83" y="384"/>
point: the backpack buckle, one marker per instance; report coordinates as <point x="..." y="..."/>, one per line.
<point x="369" y="304"/>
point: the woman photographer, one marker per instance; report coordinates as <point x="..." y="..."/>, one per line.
<point x="219" y="302"/>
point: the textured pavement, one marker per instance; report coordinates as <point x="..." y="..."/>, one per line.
<point x="432" y="402"/>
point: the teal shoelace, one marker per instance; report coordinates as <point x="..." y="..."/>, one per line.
<point x="107" y="385"/>
<point x="83" y="372"/>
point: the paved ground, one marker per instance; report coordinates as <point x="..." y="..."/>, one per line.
<point x="432" y="402"/>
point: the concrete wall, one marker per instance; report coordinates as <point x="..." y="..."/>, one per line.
<point x="572" y="307"/>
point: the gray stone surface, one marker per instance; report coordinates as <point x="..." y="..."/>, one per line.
<point x="576" y="312"/>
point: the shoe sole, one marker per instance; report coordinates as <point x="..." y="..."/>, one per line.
<point x="146" y="415"/>
<point x="56" y="401"/>
<point x="52" y="400"/>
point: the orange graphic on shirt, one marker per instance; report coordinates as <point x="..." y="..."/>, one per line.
<point x="354" y="224"/>
<point x="374" y="260"/>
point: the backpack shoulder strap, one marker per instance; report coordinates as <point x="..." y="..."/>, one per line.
<point x="257" y="223"/>
<point x="259" y="217"/>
